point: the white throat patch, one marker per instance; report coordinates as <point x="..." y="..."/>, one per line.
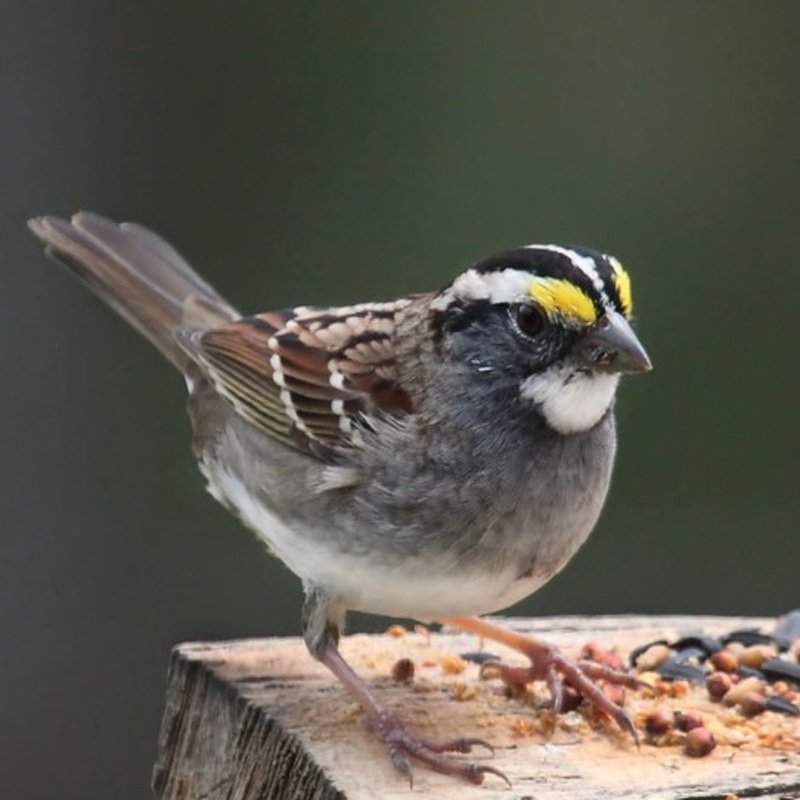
<point x="571" y="401"/>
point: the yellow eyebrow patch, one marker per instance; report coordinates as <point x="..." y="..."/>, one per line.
<point x="622" y="282"/>
<point x="561" y="298"/>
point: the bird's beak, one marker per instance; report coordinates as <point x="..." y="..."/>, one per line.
<point x="612" y="346"/>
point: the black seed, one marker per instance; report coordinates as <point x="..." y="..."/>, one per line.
<point x="787" y="630"/>
<point x="778" y="669"/>
<point x="479" y="658"/>
<point x="688" y="653"/>
<point x="781" y="705"/>
<point x="637" y="651"/>
<point x="748" y="637"/>
<point x="708" y="644"/>
<point x="750" y="672"/>
<point x="673" y="669"/>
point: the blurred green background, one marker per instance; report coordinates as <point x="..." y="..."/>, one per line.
<point x="327" y="152"/>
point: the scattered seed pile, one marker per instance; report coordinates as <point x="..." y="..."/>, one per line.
<point x="740" y="690"/>
<point x="745" y="673"/>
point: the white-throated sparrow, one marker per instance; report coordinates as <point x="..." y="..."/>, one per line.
<point x="437" y="456"/>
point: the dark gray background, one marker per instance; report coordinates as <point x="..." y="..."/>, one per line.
<point x="324" y="153"/>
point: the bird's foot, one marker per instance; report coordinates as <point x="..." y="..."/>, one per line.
<point x="405" y="747"/>
<point x="556" y="670"/>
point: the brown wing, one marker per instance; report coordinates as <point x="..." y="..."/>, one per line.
<point x="306" y="376"/>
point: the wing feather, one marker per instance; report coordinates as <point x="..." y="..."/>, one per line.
<point x="307" y="376"/>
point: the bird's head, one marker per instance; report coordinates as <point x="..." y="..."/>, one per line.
<point x="552" y="321"/>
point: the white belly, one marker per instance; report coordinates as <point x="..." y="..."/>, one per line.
<point x="417" y="588"/>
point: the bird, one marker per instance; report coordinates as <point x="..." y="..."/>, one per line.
<point x="439" y="456"/>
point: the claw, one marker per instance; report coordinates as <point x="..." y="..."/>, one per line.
<point x="477" y="771"/>
<point x="460" y="746"/>
<point x="625" y="722"/>
<point x="556" y="688"/>
<point x="401" y="764"/>
<point x="487" y="770"/>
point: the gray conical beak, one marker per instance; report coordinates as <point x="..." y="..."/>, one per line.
<point x="612" y="346"/>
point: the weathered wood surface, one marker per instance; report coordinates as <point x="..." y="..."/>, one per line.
<point x="258" y="719"/>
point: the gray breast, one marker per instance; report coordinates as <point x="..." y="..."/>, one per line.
<point x="520" y="498"/>
<point x="527" y="497"/>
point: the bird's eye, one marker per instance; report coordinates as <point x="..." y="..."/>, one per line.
<point x="528" y="319"/>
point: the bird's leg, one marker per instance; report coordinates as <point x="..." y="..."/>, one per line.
<point x="547" y="664"/>
<point x="322" y="621"/>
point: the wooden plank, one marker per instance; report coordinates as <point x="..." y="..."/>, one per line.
<point x="259" y="719"/>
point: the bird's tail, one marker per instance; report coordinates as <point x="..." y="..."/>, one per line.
<point x="138" y="274"/>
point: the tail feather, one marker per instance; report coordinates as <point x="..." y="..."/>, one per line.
<point x="138" y="274"/>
